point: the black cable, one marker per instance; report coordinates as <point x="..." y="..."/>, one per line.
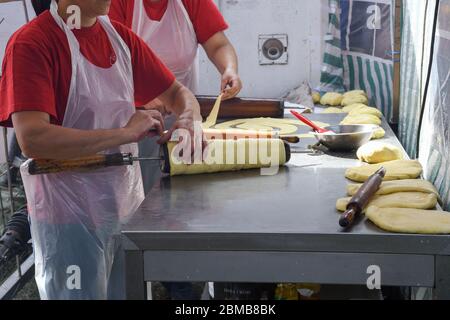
<point x="430" y="68"/>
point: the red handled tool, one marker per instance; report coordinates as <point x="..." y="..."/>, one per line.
<point x="309" y="123"/>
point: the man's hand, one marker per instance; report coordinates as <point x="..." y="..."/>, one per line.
<point x="157" y="105"/>
<point x="145" y="123"/>
<point x="231" y="84"/>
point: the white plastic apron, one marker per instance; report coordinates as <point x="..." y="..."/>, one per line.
<point x="76" y="217"/>
<point x="174" y="40"/>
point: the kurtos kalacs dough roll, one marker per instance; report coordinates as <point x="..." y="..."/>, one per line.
<point x="228" y="155"/>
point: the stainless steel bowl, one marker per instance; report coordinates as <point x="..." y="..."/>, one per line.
<point x="346" y="138"/>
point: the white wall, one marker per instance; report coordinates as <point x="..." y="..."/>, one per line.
<point x="305" y="22"/>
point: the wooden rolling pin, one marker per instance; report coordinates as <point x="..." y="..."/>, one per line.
<point x="361" y="199"/>
<point x="45" y="166"/>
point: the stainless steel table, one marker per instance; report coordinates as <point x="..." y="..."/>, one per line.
<point x="244" y="227"/>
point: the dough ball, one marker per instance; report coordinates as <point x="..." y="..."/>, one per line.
<point x="407" y="185"/>
<point x="349" y="100"/>
<point x="366" y="110"/>
<point x="378" y="133"/>
<point x="403" y="220"/>
<point x="377" y="152"/>
<point x="354" y="106"/>
<point x="413" y="200"/>
<point x="396" y="170"/>
<point x="333" y="110"/>
<point x="361" y="119"/>
<point x="316" y="97"/>
<point x="331" y="99"/>
<point x="355" y="93"/>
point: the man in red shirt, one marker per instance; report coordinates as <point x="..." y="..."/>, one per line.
<point x="71" y="93"/>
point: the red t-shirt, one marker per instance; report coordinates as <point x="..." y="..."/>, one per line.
<point x="205" y="16"/>
<point x="37" y="67"/>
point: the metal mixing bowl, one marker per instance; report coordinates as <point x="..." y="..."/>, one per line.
<point x="347" y="138"/>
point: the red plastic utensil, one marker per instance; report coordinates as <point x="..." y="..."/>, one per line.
<point x="311" y="124"/>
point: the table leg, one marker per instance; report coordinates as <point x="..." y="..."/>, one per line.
<point x="442" y="274"/>
<point x="136" y="288"/>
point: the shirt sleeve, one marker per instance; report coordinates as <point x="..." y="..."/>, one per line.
<point x="122" y="11"/>
<point x="151" y="76"/>
<point x="26" y="83"/>
<point x="206" y="18"/>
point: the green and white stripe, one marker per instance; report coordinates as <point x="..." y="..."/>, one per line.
<point x="332" y="76"/>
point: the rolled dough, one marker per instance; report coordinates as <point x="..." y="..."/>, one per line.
<point x="414" y="200"/>
<point x="355" y="98"/>
<point x="366" y="110"/>
<point x="361" y="119"/>
<point x="331" y="99"/>
<point x="403" y="220"/>
<point x="228" y="155"/>
<point x="377" y="152"/>
<point x="316" y="97"/>
<point x="379" y="133"/>
<point x="282" y="126"/>
<point x="355" y="106"/>
<point x="395" y="170"/>
<point x="389" y="187"/>
<point x="355" y="92"/>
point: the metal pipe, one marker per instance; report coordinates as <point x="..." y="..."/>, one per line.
<point x="10" y="189"/>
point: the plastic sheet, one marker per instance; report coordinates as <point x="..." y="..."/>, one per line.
<point x="417" y="24"/>
<point x="358" y="52"/>
<point x="435" y="134"/>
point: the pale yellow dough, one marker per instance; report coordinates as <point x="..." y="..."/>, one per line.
<point x="331" y="99"/>
<point x="389" y="187"/>
<point x="352" y="107"/>
<point x="366" y="110"/>
<point x="333" y="110"/>
<point x="361" y="119"/>
<point x="352" y="99"/>
<point x="355" y="93"/>
<point x="378" y="133"/>
<point x="316" y="97"/>
<point x="416" y="221"/>
<point x="414" y="200"/>
<point x="395" y="170"/>
<point x="377" y="152"/>
<point x="282" y="126"/>
<point x="230" y="155"/>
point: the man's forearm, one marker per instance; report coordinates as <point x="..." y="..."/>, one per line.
<point x="224" y="58"/>
<point x="55" y="142"/>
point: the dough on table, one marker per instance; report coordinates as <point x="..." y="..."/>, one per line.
<point x="355" y="93"/>
<point x="333" y="110"/>
<point x="270" y="125"/>
<point x="355" y="98"/>
<point x="361" y="119"/>
<point x="230" y="155"/>
<point x="378" y="133"/>
<point x="395" y="170"/>
<point x="352" y="107"/>
<point x="331" y="99"/>
<point x="403" y="220"/>
<point x="377" y="152"/>
<point x="316" y="97"/>
<point x="407" y="185"/>
<point x="414" y="200"/>
<point x="366" y="110"/>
